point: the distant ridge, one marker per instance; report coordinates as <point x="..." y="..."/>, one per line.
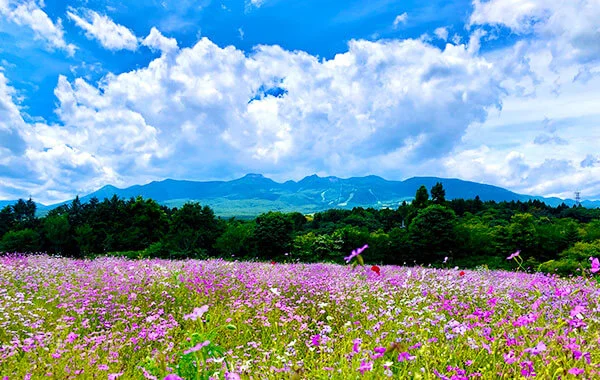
<point x="254" y="193"/>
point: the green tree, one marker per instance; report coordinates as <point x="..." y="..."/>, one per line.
<point x="57" y="231"/>
<point x="273" y="235"/>
<point x="7" y="220"/>
<point x="24" y="213"/>
<point x="438" y="194"/>
<point x="148" y="224"/>
<point x="421" y="198"/>
<point x="85" y="237"/>
<point x="314" y="248"/>
<point x="522" y="233"/>
<point x="24" y="241"/>
<point x="194" y="230"/>
<point x="431" y="233"/>
<point x="236" y="240"/>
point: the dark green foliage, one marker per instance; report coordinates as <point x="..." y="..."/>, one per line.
<point x="471" y="233"/>
<point x="26" y="240"/>
<point x="273" y="235"/>
<point x="438" y="194"/>
<point x="56" y="230"/>
<point x="235" y="241"/>
<point x="194" y="230"/>
<point x="431" y="233"/>
<point x="421" y="198"/>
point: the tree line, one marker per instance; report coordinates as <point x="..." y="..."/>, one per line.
<point x="468" y="232"/>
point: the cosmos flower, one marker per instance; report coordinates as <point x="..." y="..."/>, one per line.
<point x="365" y="366"/>
<point x="595" y="265"/>
<point x="355" y="253"/>
<point x="197" y="313"/>
<point x="512" y="256"/>
<point x="576" y="371"/>
<point x="197" y="347"/>
<point x="172" y="377"/>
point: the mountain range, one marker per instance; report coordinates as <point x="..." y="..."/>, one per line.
<point x="254" y="193"/>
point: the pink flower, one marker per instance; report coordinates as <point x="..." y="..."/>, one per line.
<point x="576" y="371"/>
<point x="231" y="376"/>
<point x="197" y="313"/>
<point x="513" y="255"/>
<point x="405" y="356"/>
<point x="365" y="366"/>
<point x="316" y="340"/>
<point x="356" y="345"/>
<point x="175" y="377"/>
<point x="541" y="347"/>
<point x="71" y="337"/>
<point x="355" y="253"/>
<point x="102" y="367"/>
<point x="510" y="358"/>
<point x="197" y="347"/>
<point x="595" y="265"/>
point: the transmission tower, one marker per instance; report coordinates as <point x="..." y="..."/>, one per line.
<point x="578" y="198"/>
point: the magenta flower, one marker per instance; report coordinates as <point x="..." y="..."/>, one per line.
<point x="541" y="347"/>
<point x="197" y="347"/>
<point x="595" y="265"/>
<point x="197" y="313"/>
<point x="514" y="255"/>
<point x="509" y="358"/>
<point x="231" y="376"/>
<point x="355" y="253"/>
<point x="316" y="340"/>
<point x="172" y="377"/>
<point x="576" y="371"/>
<point x="356" y="345"/>
<point x="365" y="366"/>
<point x="405" y="356"/>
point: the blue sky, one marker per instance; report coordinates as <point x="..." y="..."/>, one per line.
<point x="126" y="92"/>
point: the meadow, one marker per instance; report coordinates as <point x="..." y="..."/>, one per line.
<point x="112" y="318"/>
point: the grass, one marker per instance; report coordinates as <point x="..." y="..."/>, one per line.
<point x="115" y="318"/>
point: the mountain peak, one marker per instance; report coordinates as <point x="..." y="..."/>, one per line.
<point x="254" y="176"/>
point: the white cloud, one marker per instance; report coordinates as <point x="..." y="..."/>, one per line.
<point x="568" y="27"/>
<point x="111" y="36"/>
<point x="400" y="19"/>
<point x="28" y="13"/>
<point x="441" y="33"/>
<point x="396" y="108"/>
<point x="207" y="111"/>
<point x="156" y="41"/>
<point x="257" y="3"/>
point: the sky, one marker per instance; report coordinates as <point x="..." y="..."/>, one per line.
<point x="97" y="92"/>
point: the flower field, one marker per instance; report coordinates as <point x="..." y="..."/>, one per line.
<point x="113" y="318"/>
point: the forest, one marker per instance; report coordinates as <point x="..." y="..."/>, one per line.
<point x="430" y="230"/>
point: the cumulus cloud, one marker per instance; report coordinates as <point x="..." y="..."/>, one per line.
<point x="29" y="14"/>
<point x="207" y="111"/>
<point x="568" y="27"/>
<point x="590" y="161"/>
<point x="156" y="41"/>
<point x="441" y="33"/>
<point x="544" y="139"/>
<point x="400" y="19"/>
<point x="110" y="35"/>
